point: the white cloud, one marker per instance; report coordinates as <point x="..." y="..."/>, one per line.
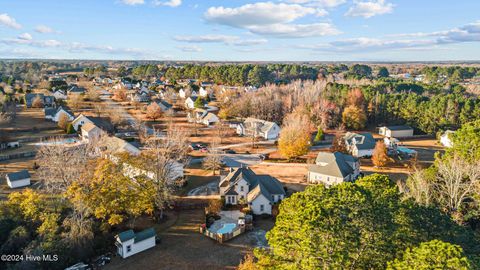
<point x="190" y="48"/>
<point x="226" y="39"/>
<point x="262" y="13"/>
<point x="271" y="19"/>
<point x="133" y="2"/>
<point x="170" y="3"/>
<point x="25" y="36"/>
<point x="43" y="29"/>
<point x="8" y="21"/>
<point x="296" y="30"/>
<point x="321" y="12"/>
<point x="369" y="9"/>
<point x="250" y="42"/>
<point x="319" y="3"/>
<point x="207" y="39"/>
<point x="34" y="43"/>
<point x="467" y="33"/>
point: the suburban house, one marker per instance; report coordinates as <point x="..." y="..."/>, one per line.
<point x="165" y="106"/>
<point x="60" y="95"/>
<point x="190" y="102"/>
<point x="446" y="138"/>
<point x="90" y="131"/>
<point x="116" y="145"/>
<point x="55" y="113"/>
<point x="260" y="192"/>
<point x="48" y="101"/>
<point x="202" y="116"/>
<point x="75" y="90"/>
<point x="18" y="179"/>
<point x="139" y="97"/>
<point x="203" y="92"/>
<point x="359" y="144"/>
<point x="333" y="168"/>
<point x="396" y="131"/>
<point x="129" y="243"/>
<point x="80" y="121"/>
<point x="258" y="128"/>
<point x="182" y="93"/>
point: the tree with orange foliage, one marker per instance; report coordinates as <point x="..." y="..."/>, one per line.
<point x="154" y="111"/>
<point x="380" y="157"/>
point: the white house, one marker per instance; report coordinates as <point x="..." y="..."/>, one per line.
<point x="258" y="128"/>
<point x="359" y="144"/>
<point x="446" y="138"/>
<point x="190" y="102"/>
<point x="129" y="243"/>
<point x="80" y="121"/>
<point x="60" y="95"/>
<point x="203" y="92"/>
<point x="18" y="179"/>
<point x="182" y="93"/>
<point x="202" y="116"/>
<point x="396" y="131"/>
<point x="333" y="168"/>
<point x="90" y="132"/>
<point x="55" y="113"/>
<point x="260" y="192"/>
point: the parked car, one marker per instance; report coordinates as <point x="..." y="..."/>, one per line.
<point x="79" y="266"/>
<point x="102" y="260"/>
<point x="204" y="149"/>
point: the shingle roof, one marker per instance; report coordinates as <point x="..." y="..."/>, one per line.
<point x="126" y="235"/>
<point x="333" y="164"/>
<point x="145" y="234"/>
<point x="87" y="127"/>
<point x="23" y="174"/>
<point x="361" y="140"/>
<point x="50" y="111"/>
<point x="258" y="184"/>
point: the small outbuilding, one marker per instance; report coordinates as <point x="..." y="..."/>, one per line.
<point x="18" y="179"/>
<point x="130" y="243"/>
<point x="396" y="131"/>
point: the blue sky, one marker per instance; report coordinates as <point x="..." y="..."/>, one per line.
<point x="238" y="30"/>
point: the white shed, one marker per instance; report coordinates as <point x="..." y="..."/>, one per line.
<point x="396" y="131"/>
<point x="129" y="243"/>
<point x="18" y="179"/>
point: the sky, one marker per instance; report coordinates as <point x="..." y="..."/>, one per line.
<point x="238" y="30"/>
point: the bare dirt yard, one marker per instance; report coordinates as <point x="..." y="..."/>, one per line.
<point x="183" y="247"/>
<point x="291" y="175"/>
<point x="15" y="166"/>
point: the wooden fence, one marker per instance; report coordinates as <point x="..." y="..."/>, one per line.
<point x="222" y="237"/>
<point x="18" y="155"/>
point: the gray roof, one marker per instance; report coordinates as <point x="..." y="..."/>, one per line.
<point x="363" y="141"/>
<point x="16" y="176"/>
<point x="333" y="164"/>
<point x="164" y="103"/>
<point x="50" y="111"/>
<point x="399" y="127"/>
<point x="258" y="184"/>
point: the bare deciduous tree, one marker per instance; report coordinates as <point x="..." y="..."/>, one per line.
<point x="419" y="186"/>
<point x="161" y="157"/>
<point x="456" y="181"/>
<point x="213" y="161"/>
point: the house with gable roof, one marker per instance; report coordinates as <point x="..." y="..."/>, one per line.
<point x="333" y="168"/>
<point x="258" y="128"/>
<point x="260" y="192"/>
<point x="359" y="144"/>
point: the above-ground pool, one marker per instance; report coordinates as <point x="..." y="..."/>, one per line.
<point x="406" y="150"/>
<point x="227" y="228"/>
<point x="58" y="142"/>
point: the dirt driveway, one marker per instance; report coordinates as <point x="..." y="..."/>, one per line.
<point x="182" y="247"/>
